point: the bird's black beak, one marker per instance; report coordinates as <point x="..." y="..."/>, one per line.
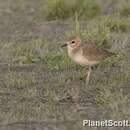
<point x="64" y="45"/>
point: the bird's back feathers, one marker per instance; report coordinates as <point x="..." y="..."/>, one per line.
<point x="92" y="53"/>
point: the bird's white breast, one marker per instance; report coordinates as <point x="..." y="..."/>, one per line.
<point x="80" y="59"/>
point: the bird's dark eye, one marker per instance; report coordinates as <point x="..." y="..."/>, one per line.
<point x="73" y="42"/>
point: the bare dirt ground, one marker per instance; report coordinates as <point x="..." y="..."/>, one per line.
<point x="34" y="97"/>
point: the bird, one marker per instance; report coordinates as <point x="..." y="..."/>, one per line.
<point x="85" y="53"/>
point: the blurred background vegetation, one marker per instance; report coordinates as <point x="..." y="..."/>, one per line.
<point x="86" y="9"/>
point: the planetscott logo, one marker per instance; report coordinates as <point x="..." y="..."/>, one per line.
<point x="106" y="123"/>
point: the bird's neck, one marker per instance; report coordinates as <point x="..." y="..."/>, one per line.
<point x="73" y="51"/>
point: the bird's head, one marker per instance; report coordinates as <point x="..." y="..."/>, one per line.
<point x="73" y="42"/>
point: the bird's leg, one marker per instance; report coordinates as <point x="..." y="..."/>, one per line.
<point x="88" y="75"/>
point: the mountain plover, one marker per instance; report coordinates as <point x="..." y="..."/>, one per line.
<point x="86" y="54"/>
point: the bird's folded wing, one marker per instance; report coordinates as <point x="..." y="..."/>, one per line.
<point x="92" y="53"/>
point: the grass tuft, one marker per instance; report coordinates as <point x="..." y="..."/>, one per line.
<point x="26" y="52"/>
<point x="64" y="9"/>
<point x="57" y="60"/>
<point x="124" y="9"/>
